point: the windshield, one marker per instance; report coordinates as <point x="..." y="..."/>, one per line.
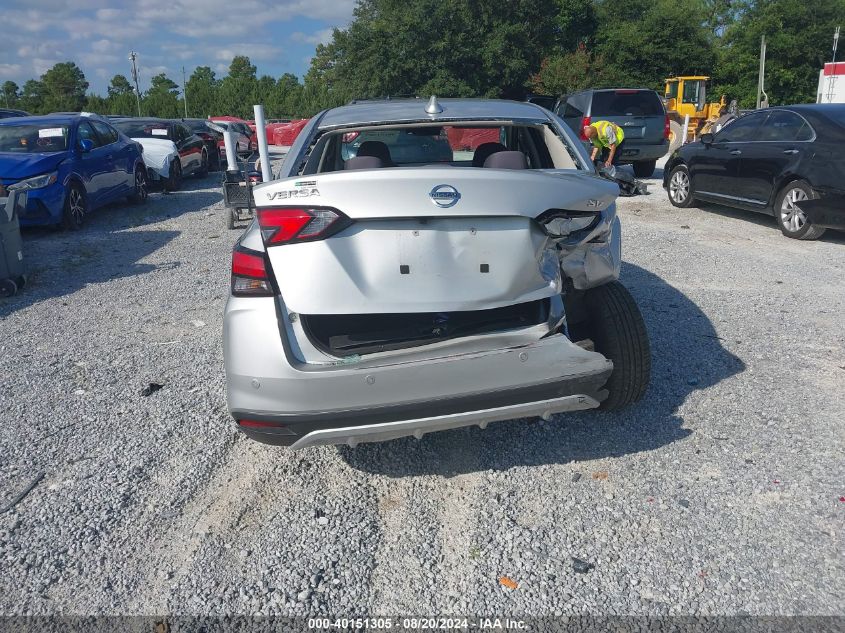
<point x="197" y="126"/>
<point x="31" y="139"/>
<point x="143" y="129"/>
<point x="626" y="103"/>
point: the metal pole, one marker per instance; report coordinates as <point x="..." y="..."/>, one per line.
<point x="184" y="92"/>
<point x="832" y="81"/>
<point x="132" y="57"/>
<point x="231" y="155"/>
<point x="761" y="76"/>
<point x="261" y="133"/>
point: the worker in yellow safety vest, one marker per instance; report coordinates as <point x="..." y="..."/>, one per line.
<point x="606" y="138"/>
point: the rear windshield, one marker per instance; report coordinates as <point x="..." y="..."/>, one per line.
<point x="626" y="103"/>
<point x="33" y="139"/>
<point x="427" y="145"/>
<point x="197" y="126"/>
<point x="143" y="129"/>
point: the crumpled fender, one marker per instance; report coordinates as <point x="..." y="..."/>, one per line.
<point x="597" y="262"/>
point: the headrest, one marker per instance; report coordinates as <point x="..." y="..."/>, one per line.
<point x="363" y="162"/>
<point x="377" y="149"/>
<point x="506" y="160"/>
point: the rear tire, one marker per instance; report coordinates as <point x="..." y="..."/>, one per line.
<point x="616" y="327"/>
<point x="8" y="288"/>
<point x="174" y="180"/>
<point x="75" y="209"/>
<point x="792" y="221"/>
<point x="203" y="170"/>
<point x="644" y="168"/>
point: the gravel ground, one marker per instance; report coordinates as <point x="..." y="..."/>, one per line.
<point x="720" y="493"/>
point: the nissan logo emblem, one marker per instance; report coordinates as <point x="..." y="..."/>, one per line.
<point x="444" y="196"/>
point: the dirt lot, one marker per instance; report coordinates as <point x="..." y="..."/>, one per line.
<point x="720" y="493"/>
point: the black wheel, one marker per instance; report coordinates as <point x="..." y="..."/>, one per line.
<point x="174" y="181"/>
<point x="680" y="187"/>
<point x="616" y="327"/>
<point x="203" y="170"/>
<point x="644" y="168"/>
<point x="214" y="160"/>
<point x="792" y="220"/>
<point x="141" y="188"/>
<point x="73" y="214"/>
<point x="231" y="218"/>
<point x="8" y="288"/>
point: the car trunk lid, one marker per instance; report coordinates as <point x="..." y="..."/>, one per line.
<point x="426" y="239"/>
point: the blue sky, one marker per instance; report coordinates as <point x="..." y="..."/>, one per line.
<point x="279" y="36"/>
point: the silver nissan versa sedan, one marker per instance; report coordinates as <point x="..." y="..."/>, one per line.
<point x="374" y="298"/>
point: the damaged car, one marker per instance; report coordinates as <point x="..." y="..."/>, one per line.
<point x="387" y="293"/>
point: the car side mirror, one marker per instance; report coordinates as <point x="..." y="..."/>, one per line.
<point x="707" y="138"/>
<point x="86" y="145"/>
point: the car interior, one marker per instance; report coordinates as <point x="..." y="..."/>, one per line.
<point x="529" y="146"/>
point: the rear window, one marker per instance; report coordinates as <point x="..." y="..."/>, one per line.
<point x="30" y="139"/>
<point x="143" y="129"/>
<point x="626" y="103"/>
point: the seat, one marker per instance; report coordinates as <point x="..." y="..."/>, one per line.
<point x="483" y="152"/>
<point x="506" y="160"/>
<point x="376" y="149"/>
<point x="363" y="162"/>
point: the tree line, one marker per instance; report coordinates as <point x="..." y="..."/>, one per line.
<point x="490" y="48"/>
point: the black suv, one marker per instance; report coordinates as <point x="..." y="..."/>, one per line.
<point x="638" y="111"/>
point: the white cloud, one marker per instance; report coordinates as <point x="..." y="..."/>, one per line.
<point x="323" y="36"/>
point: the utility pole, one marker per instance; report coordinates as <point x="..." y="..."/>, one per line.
<point x="762" y="97"/>
<point x="132" y="57"/>
<point x="184" y="92"/>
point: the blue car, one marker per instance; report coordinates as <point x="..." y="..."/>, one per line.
<point x="70" y="164"/>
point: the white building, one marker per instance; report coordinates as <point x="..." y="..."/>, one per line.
<point x="831" y="83"/>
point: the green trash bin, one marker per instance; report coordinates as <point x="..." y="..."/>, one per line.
<point x="12" y="271"/>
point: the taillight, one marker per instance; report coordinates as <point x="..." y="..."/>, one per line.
<point x="288" y="225"/>
<point x="249" y="274"/>
<point x="667" y="128"/>
<point x="585" y="121"/>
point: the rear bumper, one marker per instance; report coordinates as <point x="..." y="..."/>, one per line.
<point x="399" y="394"/>
<point x="633" y="152"/>
<point x="827" y="211"/>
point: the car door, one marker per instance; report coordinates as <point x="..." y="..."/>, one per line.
<point x="715" y="170"/>
<point x="93" y="166"/>
<point x="114" y="177"/>
<point x="782" y="143"/>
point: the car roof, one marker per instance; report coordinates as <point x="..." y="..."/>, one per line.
<point x="63" y="119"/>
<point x="146" y="119"/>
<point x="815" y="107"/>
<point x="414" y="110"/>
